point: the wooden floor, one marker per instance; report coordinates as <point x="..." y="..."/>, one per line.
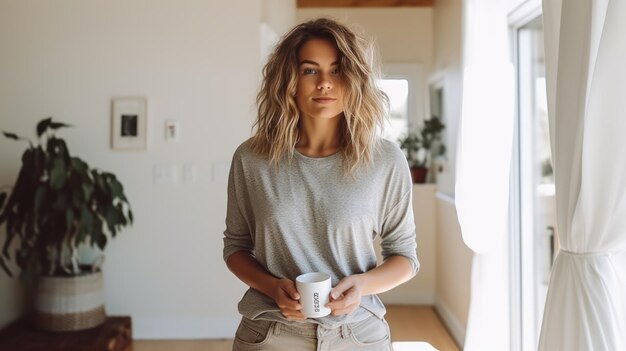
<point x="407" y="323"/>
<point x="419" y="323"/>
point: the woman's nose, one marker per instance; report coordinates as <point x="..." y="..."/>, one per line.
<point x="324" y="84"/>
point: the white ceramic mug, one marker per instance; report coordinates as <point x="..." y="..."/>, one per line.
<point x="314" y="289"/>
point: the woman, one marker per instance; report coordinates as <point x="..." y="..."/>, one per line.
<point x="310" y="191"/>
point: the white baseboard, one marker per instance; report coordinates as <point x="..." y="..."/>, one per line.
<point x="451" y="321"/>
<point x="185" y="328"/>
<point x="398" y="297"/>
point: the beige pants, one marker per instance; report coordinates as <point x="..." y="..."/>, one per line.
<point x="370" y="334"/>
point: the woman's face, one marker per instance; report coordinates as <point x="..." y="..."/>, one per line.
<point x="320" y="87"/>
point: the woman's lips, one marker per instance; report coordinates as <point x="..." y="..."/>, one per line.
<point x="324" y="100"/>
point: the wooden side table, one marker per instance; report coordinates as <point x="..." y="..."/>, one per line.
<point x="115" y="334"/>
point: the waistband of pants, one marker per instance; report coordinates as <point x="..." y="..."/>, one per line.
<point x="310" y="330"/>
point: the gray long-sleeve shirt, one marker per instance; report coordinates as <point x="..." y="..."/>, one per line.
<point x="306" y="216"/>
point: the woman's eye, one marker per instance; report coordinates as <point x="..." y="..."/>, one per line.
<point x="309" y="71"/>
<point x="335" y="71"/>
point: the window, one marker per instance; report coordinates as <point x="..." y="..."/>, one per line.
<point x="398" y="92"/>
<point x="404" y="86"/>
<point x="534" y="214"/>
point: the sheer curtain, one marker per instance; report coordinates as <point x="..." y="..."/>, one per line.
<point x="483" y="164"/>
<point x="586" y="70"/>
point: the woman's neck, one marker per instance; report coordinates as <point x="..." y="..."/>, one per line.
<point x="319" y="137"/>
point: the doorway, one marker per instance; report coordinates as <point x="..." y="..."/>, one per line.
<point x="533" y="202"/>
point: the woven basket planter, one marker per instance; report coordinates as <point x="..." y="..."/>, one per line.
<point x="70" y="303"/>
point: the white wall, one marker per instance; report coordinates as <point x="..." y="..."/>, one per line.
<point x="453" y="257"/>
<point x="196" y="61"/>
<point x="280" y="14"/>
<point x="402" y="35"/>
<point x="448" y="73"/>
<point x="453" y="269"/>
<point x="420" y="290"/>
<point x="513" y="4"/>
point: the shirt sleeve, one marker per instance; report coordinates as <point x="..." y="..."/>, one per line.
<point x="398" y="234"/>
<point x="237" y="235"/>
<point x="398" y="225"/>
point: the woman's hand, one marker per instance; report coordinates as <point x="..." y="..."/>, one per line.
<point x="286" y="297"/>
<point x="345" y="297"/>
<point x="282" y="291"/>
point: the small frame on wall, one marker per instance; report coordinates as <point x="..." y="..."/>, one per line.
<point x="128" y="124"/>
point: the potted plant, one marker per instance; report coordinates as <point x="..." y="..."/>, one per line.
<point x="411" y="144"/>
<point x="421" y="146"/>
<point x="57" y="204"/>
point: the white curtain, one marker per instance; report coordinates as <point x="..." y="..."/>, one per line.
<point x="585" y="44"/>
<point x="483" y="165"/>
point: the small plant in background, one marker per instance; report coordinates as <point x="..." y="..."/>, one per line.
<point x="546" y="168"/>
<point x="56" y="204"/>
<point x="411" y="144"/>
<point x="422" y="146"/>
<point x="431" y="138"/>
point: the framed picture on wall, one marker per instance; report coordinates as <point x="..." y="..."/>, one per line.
<point x="129" y="124"/>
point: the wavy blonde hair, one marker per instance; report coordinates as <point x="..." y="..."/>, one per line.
<point x="365" y="106"/>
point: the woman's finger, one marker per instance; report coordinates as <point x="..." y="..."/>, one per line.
<point x="293" y="315"/>
<point x="343" y="311"/>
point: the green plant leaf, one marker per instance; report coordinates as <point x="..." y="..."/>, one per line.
<point x="130" y="216"/>
<point x="60" y="203"/>
<point x="11" y="136"/>
<point x="8" y="241"/>
<point x="43" y="125"/>
<point x="117" y="190"/>
<point x="57" y="147"/>
<point x="86" y="219"/>
<point x="96" y="228"/>
<point x="120" y="214"/>
<point x="40" y="197"/>
<point x="28" y="158"/>
<point x="112" y="218"/>
<point x="101" y="241"/>
<point x="22" y="196"/>
<point x="79" y="165"/>
<point x="86" y="226"/>
<point x="100" y="182"/>
<point x="87" y="190"/>
<point x="26" y="258"/>
<point x="5" y="268"/>
<point x="69" y="219"/>
<point x="76" y="189"/>
<point x="442" y="150"/>
<point x="80" y="238"/>
<point x="39" y="161"/>
<point x="58" y="174"/>
<point x="57" y="125"/>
